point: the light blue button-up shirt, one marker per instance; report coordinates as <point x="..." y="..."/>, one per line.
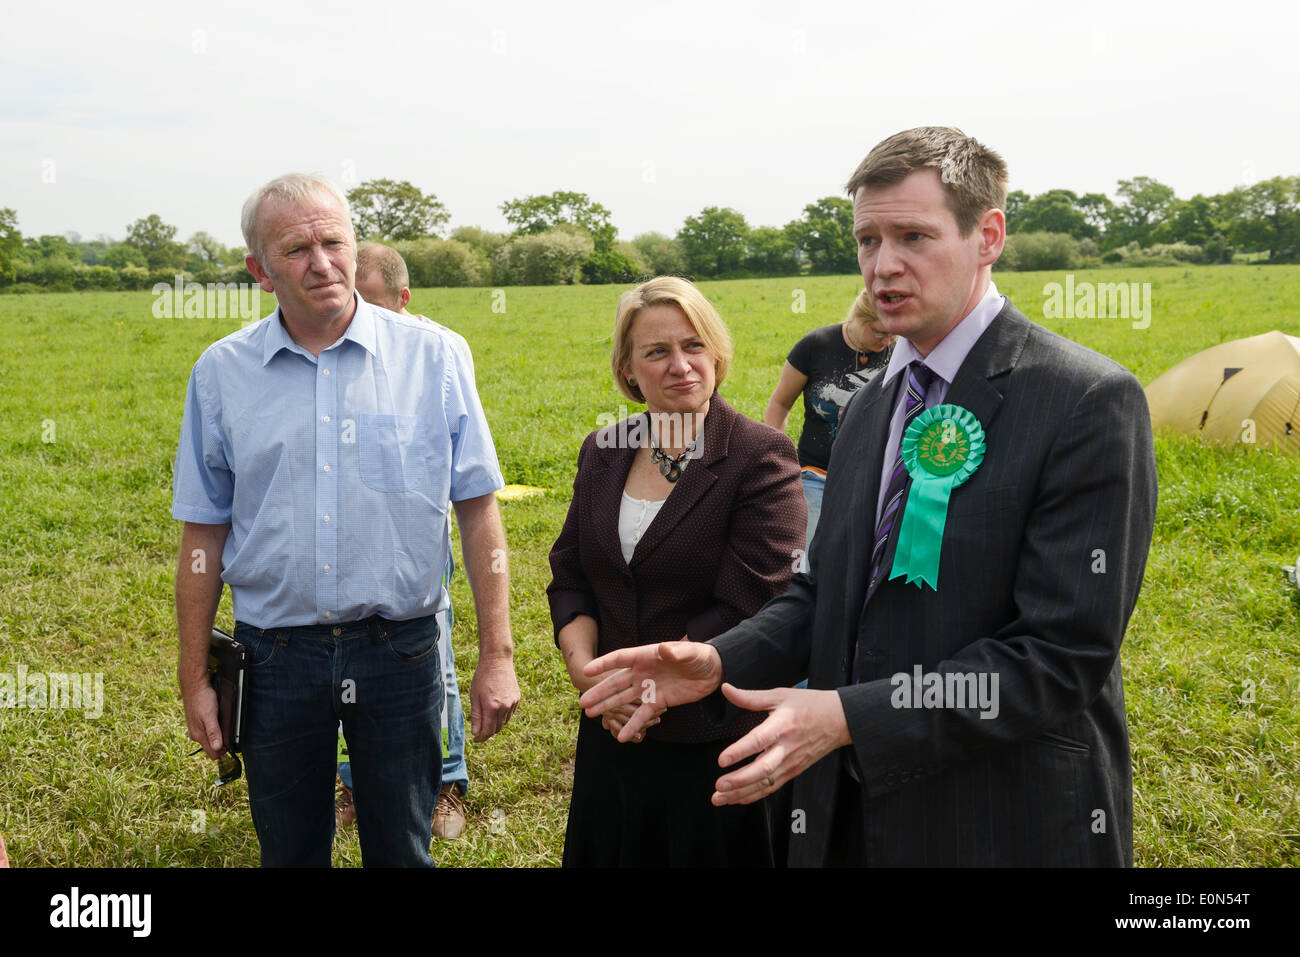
<point x="334" y="472"/>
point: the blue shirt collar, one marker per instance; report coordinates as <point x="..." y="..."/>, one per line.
<point x="946" y="358"/>
<point x="361" y="330"/>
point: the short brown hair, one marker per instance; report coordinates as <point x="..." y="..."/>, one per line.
<point x="974" y="178"/>
<point x="669" y="291"/>
<point x="389" y="262"/>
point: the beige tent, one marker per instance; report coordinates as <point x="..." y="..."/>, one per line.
<point x="1234" y="393"/>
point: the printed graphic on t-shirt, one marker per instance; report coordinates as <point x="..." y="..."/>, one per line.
<point x="835" y="372"/>
<point x="829" y="397"/>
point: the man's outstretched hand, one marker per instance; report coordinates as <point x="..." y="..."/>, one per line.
<point x="802" y="727"/>
<point x="658" y="676"/>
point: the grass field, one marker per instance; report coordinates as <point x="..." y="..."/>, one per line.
<point x="91" y="391"/>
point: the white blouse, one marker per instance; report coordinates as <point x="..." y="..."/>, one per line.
<point x="634" y="517"/>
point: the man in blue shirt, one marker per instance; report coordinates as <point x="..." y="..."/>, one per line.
<point x="318" y="452"/>
<point x="383" y="280"/>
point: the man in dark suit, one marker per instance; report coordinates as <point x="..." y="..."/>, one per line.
<point x="974" y="716"/>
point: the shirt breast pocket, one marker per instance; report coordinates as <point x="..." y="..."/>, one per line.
<point x="393" y="452"/>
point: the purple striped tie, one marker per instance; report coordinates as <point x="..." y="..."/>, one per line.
<point x="919" y="380"/>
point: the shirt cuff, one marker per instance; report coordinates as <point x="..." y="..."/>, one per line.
<point x="200" y="515"/>
<point x="478" y="489"/>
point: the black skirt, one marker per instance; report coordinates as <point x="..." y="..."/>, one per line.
<point x="647" y="805"/>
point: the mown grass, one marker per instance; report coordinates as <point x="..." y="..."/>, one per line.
<point x="87" y="550"/>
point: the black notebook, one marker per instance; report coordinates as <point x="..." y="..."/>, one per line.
<point x="227" y="662"/>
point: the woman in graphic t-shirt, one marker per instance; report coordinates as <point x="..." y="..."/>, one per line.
<point x="827" y="365"/>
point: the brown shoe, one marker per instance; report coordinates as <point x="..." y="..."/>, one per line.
<point x="449" y="815"/>
<point x="345" y="809"/>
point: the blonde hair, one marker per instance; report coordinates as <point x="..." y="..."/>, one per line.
<point x="974" y="178"/>
<point x="863" y="309"/>
<point x="668" y="291"/>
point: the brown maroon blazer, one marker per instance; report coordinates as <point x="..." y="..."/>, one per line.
<point x="726" y="541"/>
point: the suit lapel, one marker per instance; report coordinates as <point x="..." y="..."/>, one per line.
<point x="876" y="416"/>
<point x="609" y="475"/>
<point x="994" y="354"/>
<point x="695" y="480"/>
<point x="861" y="463"/>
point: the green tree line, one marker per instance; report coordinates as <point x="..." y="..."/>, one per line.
<point x="566" y="237"/>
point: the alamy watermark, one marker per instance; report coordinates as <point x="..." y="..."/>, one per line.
<point x="213" y="300"/>
<point x="37" y="689"/>
<point x="129" y="911"/>
<point x="1100" y="300"/>
<point x="952" y="689"/>
<point x="665" y="430"/>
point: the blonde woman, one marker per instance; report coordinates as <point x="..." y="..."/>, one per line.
<point x="828" y="366"/>
<point x="684" y="522"/>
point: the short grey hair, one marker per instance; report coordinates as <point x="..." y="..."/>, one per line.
<point x="289" y="188"/>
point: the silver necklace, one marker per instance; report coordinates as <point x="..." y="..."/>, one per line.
<point x="669" y="467"/>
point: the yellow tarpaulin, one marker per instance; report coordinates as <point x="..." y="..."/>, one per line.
<point x="511" y="492"/>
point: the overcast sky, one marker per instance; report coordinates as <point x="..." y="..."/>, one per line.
<point x="111" y="112"/>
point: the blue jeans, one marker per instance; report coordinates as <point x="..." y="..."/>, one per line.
<point x="454" y="770"/>
<point x="453" y="718"/>
<point x="813" y="486"/>
<point x="384" y="682"/>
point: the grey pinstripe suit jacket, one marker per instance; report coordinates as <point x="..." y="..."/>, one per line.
<point x="1040" y="568"/>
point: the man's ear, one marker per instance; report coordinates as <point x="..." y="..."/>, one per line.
<point x="403" y="298"/>
<point x="992" y="229"/>
<point x="261" y="275"/>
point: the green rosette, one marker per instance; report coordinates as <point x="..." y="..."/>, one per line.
<point x="941" y="449"/>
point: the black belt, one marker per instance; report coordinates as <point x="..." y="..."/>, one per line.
<point x="376" y="626"/>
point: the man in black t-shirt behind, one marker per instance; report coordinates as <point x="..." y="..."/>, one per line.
<point x="827" y="365"/>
